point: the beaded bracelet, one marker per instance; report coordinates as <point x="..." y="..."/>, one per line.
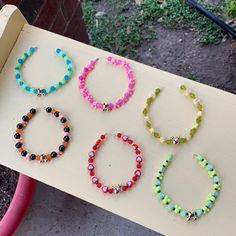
<point x="107" y="106"/>
<point x="193" y="214"/>
<point x="41" y="91"/>
<point x="41" y="157"/>
<point x="120" y="187"/>
<point x="179" y="139"/>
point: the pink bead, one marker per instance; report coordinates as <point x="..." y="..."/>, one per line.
<point x="109" y="59"/>
<point x="81" y="78"/>
<point x="81" y="86"/>
<point x="110" y="106"/>
<point x="60" y="115"/>
<point x="66" y="133"/>
<point x="86" y="69"/>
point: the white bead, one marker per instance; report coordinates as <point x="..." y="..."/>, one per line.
<point x="162" y="140"/>
<point x="199" y="113"/>
<point x="187" y="92"/>
<point x="188" y="136"/>
<point x="153" y="95"/>
<point x="152" y="130"/>
<point x="196" y="100"/>
<point x="146" y="118"/>
<point x="195" y="125"/>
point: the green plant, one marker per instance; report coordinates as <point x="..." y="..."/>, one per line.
<point x="230" y="8"/>
<point x="124" y="25"/>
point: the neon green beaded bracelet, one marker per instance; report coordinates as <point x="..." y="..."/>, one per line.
<point x="179" y="139"/>
<point x="190" y="215"/>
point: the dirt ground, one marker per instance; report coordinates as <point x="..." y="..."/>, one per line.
<point x="179" y="52"/>
<point x="8" y="181"/>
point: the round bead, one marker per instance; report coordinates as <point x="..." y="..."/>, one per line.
<point x="53" y="154"/>
<point x="32" y="157"/>
<point x="61" y="148"/>
<point x="25" y="118"/>
<point x="32" y="111"/>
<point x="56" y="114"/>
<point x="67" y="129"/>
<point x="24" y="153"/>
<point x="63" y="120"/>
<point x="66" y="138"/>
<point x="18" y="145"/>
<point x="48" y="109"/>
<point x="19" y="126"/>
<point x="17" y="135"/>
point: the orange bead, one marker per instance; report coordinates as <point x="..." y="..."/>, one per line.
<point x="37" y="157"/>
<point x="21" y="149"/>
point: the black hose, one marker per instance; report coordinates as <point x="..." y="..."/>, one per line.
<point x="212" y="17"/>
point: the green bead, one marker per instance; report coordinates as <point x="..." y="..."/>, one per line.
<point x="192" y="95"/>
<point x="199" y="120"/>
<point x="156" y="135"/>
<point x="193" y="131"/>
<point x="177" y="209"/>
<point x="149" y="100"/>
<point x="157" y="189"/>
<point x="169" y="157"/>
<point x="168" y="141"/>
<point x="183" y="87"/>
<point x="212" y="173"/>
<point x="157" y="91"/>
<point x="148" y="124"/>
<point x="204" y="163"/>
<point x="199" y="107"/>
<point x="159" y="175"/>
<point x="181" y="140"/>
<point x="145" y="111"/>
<point x="199" y="157"/>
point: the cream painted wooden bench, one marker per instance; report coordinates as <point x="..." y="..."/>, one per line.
<point x="185" y="181"/>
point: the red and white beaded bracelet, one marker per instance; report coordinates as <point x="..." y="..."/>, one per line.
<point x="119" y="102"/>
<point x="120" y="187"/>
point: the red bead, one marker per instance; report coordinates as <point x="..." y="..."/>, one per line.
<point x="102" y="136"/>
<point x="134" y="178"/>
<point x="130" y="184"/>
<point x="138" y="173"/>
<point x="124" y="188"/>
<point x="99" y="185"/>
<point x="90" y="160"/>
<point x="130" y="141"/>
<point x="138" y="152"/>
<point x="135" y="146"/>
<point x="98" y="142"/>
<point x="91" y="173"/>
<point x="139" y="166"/>
<point x="111" y="190"/>
<point x="119" y="135"/>
<point x="95" y="147"/>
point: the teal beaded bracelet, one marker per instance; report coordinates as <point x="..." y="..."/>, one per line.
<point x="191" y="215"/>
<point x="47" y="90"/>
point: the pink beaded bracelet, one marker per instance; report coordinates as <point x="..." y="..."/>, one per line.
<point x="107" y="106"/>
<point x="120" y="187"/>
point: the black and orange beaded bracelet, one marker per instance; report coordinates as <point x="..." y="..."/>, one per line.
<point x="41" y="157"/>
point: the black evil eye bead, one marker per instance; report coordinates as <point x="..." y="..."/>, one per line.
<point x="66" y="138"/>
<point x="18" y="145"/>
<point x="61" y="148"/>
<point x="53" y="154"/>
<point x="67" y="129"/>
<point x="48" y="109"/>
<point x="32" y="111"/>
<point x="63" y="120"/>
<point x="56" y="114"/>
<point x="19" y="126"/>
<point x="17" y="135"/>
<point x="24" y="153"/>
<point x="32" y="157"/>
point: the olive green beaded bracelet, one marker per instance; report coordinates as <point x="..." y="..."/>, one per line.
<point x="180" y="139"/>
<point x="190" y="215"/>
